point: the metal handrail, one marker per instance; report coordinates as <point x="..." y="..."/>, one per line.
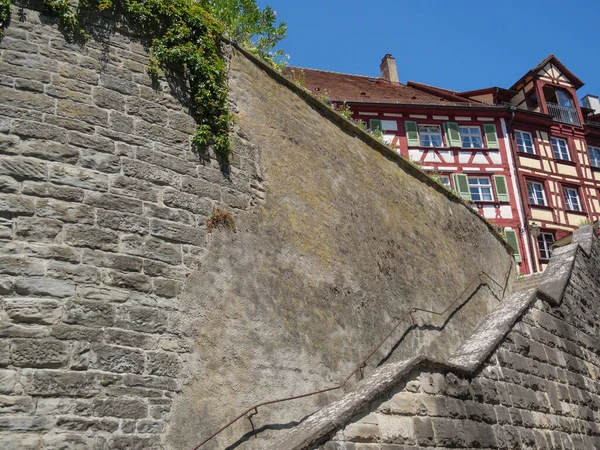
<point x="564" y="114"/>
<point x="363" y="363"/>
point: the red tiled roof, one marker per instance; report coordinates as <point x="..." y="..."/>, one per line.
<point x="341" y="87"/>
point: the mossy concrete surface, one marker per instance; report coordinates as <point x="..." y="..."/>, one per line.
<point x="345" y="242"/>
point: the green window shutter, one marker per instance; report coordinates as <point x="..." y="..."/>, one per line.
<point x="375" y="124"/>
<point x="461" y="185"/>
<point x="511" y="238"/>
<point x="452" y="134"/>
<point x="491" y="136"/>
<point x="412" y="134"/>
<point x="501" y="188"/>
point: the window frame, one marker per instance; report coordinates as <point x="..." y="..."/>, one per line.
<point x="544" y="245"/>
<point x="478" y="187"/>
<point x="532" y="152"/>
<point x="595" y="158"/>
<point x="566" y="149"/>
<point x="544" y="199"/>
<point x="569" y="201"/>
<point x="469" y="136"/>
<point x="429" y="133"/>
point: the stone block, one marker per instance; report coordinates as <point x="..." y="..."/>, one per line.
<point x="8" y="379"/>
<point x="164" y="364"/>
<point x="29" y="85"/>
<point x="74" y="72"/>
<point x="120" y="85"/>
<point x="34" y="229"/>
<point x="39" y="353"/>
<point x="78" y="177"/>
<point x="32" y="310"/>
<point x="114" y="202"/>
<point x="448" y="433"/>
<point x="91" y="237"/>
<point x="26" y="423"/>
<point x="111" y="260"/>
<point x="170" y="162"/>
<point x="128" y="338"/>
<point x="64" y="211"/>
<point x="149" y="172"/>
<point x="13" y="404"/>
<point x="80" y="356"/>
<point x="59" y="383"/>
<point x="135" y="281"/>
<point x="159" y="269"/>
<point x="479" y="435"/>
<point x="167" y="288"/>
<point x="13" y="205"/>
<point x="50" y="151"/>
<point x="141" y="318"/>
<point x="152" y="382"/>
<point x="457" y="387"/>
<point x="64" y="441"/>
<point x="38" y="130"/>
<point x="170" y="214"/>
<point x="132" y="187"/>
<point x="136" y="442"/>
<point x="101" y="162"/>
<point x="175" y="232"/>
<point x="149" y="247"/>
<point x="27" y="100"/>
<point x="9" y="144"/>
<point x="123" y="221"/>
<point x="64" y="406"/>
<point x="23" y="168"/>
<point x="108" y="99"/>
<point x="120" y="407"/>
<point x="78" y="273"/>
<point x="423" y="429"/>
<point x="88" y="313"/>
<point x="93" y="142"/>
<point x="44" y="287"/>
<point x="69" y="194"/>
<point x="87" y="425"/>
<point x="149" y="111"/>
<point x="362" y="432"/>
<point x="158" y="133"/>
<point x="189" y="202"/>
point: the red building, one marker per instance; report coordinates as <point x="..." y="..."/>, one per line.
<point x="527" y="158"/>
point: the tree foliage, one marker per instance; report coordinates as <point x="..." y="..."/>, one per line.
<point x="246" y="23"/>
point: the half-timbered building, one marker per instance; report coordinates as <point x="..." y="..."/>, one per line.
<point x="527" y="158"/>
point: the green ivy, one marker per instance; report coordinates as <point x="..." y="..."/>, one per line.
<point x="184" y="35"/>
<point x="5" y="12"/>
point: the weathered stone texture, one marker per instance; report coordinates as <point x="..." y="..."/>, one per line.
<point x="95" y="243"/>
<point x="540" y="389"/>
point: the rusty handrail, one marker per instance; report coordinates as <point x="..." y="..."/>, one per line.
<point x="363" y="363"/>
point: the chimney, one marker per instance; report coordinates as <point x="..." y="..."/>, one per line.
<point x="388" y="69"/>
<point x="591" y="101"/>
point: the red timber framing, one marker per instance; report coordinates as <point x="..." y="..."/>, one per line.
<point x="519" y="156"/>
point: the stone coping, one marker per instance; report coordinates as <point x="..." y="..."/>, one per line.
<point x="350" y="127"/>
<point x="319" y="427"/>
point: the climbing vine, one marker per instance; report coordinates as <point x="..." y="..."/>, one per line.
<point x="183" y="35"/>
<point x="5" y="12"/>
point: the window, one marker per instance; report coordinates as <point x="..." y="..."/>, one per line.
<point x="535" y="192"/>
<point x="445" y="180"/>
<point x="545" y="241"/>
<point x="524" y="142"/>
<point x="471" y="137"/>
<point x="594" y="156"/>
<point x="431" y="136"/>
<point x="560" y="149"/>
<point x="572" y="202"/>
<point x="480" y="189"/>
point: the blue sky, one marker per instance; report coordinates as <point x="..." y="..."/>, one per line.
<point x="461" y="45"/>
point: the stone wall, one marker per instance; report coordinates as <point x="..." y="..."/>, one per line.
<point x="103" y="212"/>
<point x="124" y="324"/>
<point x="540" y="389"/>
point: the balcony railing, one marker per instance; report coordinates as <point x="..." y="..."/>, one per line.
<point x="563" y="114"/>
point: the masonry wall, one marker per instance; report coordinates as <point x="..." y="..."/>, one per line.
<point x="103" y="211"/>
<point x="539" y="390"/>
<point x="124" y="324"/>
